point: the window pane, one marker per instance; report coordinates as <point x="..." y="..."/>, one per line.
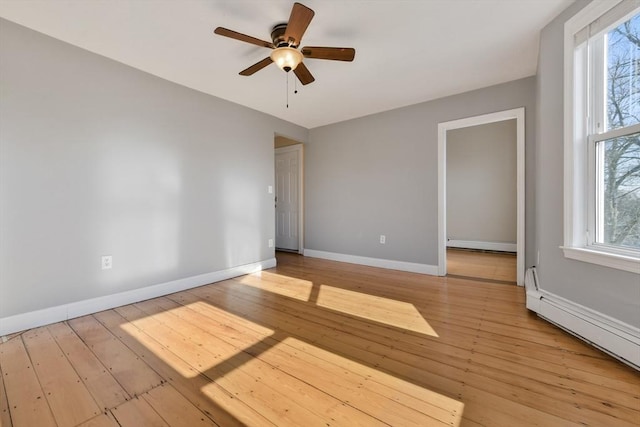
<point x="623" y="74"/>
<point x="619" y="192"/>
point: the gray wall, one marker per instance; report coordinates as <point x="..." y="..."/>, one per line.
<point x="482" y="183"/>
<point x="378" y="175"/>
<point x="98" y="158"/>
<point x="612" y="292"/>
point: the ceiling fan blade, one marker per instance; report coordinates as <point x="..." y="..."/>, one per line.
<point x="303" y="74"/>
<point x="332" y="53"/>
<point x="242" y="37"/>
<point x="299" y="20"/>
<point x="256" y="67"/>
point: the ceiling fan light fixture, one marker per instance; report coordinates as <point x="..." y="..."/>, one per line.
<point x="287" y="58"/>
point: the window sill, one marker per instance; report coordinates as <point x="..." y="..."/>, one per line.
<point x="617" y="261"/>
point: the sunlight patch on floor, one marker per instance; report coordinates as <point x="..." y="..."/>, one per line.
<point x="203" y="349"/>
<point x="379" y="309"/>
<point x="336" y="375"/>
<point x="282" y="285"/>
<point x="205" y="307"/>
<point x="164" y="354"/>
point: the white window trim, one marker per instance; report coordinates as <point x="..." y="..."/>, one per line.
<point x="576" y="193"/>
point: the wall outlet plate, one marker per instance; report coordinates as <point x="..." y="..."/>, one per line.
<point x="107" y="262"/>
<point x="270" y="243"/>
<point x="383" y="239"/>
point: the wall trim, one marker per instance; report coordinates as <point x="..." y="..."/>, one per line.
<point x="489" y="246"/>
<point x="33" y="319"/>
<point x="610" y="335"/>
<point x="519" y="115"/>
<point x="375" y="262"/>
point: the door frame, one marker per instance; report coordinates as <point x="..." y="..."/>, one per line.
<point x="518" y="115"/>
<point x="300" y="149"/>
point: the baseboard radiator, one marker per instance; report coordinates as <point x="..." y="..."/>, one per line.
<point x="616" y="338"/>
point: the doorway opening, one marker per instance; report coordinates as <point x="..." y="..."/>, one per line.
<point x="482" y="215"/>
<point x="491" y="266"/>
<point x="289" y="194"/>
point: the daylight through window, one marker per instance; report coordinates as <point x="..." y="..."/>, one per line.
<point x="614" y="137"/>
<point x="602" y="146"/>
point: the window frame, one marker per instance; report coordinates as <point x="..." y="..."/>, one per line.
<point x="580" y="150"/>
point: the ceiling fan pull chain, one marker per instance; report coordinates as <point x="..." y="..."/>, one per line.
<point x="287" y="74"/>
<point x="295" y="85"/>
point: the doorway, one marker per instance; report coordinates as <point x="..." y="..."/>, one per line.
<point x="491" y="266"/>
<point x="289" y="195"/>
<point x="446" y="131"/>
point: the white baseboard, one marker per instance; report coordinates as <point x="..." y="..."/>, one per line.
<point x="487" y="246"/>
<point x="375" y="262"/>
<point x="33" y="319"/>
<point x="614" y="337"/>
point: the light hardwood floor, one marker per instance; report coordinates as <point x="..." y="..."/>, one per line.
<point x="315" y="343"/>
<point x="496" y="266"/>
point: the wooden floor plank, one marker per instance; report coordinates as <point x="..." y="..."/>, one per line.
<point x="175" y="409"/>
<point x="552" y="382"/>
<point x="5" y="415"/>
<point x="485" y="265"/>
<point x="300" y="404"/>
<point x="609" y="382"/>
<point x="27" y="401"/>
<point x="337" y="380"/>
<point x="103" y="420"/>
<point x="245" y="385"/>
<point x="308" y="323"/>
<point x="449" y="377"/>
<point x="369" y="359"/>
<point x="334" y="375"/>
<point x="487" y="408"/>
<point x="222" y="407"/>
<point x="107" y="392"/>
<point x="471" y="330"/>
<point x="137" y="412"/>
<point x="557" y="401"/>
<point x="132" y="374"/>
<point x="68" y="398"/>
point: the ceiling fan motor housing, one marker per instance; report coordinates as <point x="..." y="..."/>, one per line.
<point x="277" y="36"/>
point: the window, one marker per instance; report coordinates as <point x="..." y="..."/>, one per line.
<point x="602" y="135"/>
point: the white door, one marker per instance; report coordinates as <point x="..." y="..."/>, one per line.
<point x="287" y="198"/>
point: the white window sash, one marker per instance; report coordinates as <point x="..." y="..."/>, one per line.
<point x="615" y="133"/>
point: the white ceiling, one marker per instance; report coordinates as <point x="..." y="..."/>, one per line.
<point x="407" y="51"/>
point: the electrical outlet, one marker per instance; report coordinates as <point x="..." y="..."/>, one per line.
<point x="270" y="243"/>
<point x="270" y="189"/>
<point x="107" y="262"/>
<point x="383" y="239"/>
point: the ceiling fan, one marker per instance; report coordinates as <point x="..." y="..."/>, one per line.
<point x="286" y="38"/>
